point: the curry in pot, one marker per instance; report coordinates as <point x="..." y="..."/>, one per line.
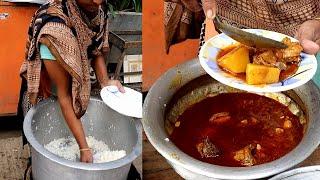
<point x="237" y="129"/>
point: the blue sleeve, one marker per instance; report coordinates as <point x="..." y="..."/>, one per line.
<point x="45" y="53"/>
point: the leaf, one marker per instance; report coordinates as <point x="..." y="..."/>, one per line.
<point x="137" y="5"/>
<point x="125" y="5"/>
<point x="111" y="10"/>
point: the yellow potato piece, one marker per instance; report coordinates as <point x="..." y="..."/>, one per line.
<point x="260" y="74"/>
<point x="236" y="60"/>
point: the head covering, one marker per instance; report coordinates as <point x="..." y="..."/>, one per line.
<point x="73" y="39"/>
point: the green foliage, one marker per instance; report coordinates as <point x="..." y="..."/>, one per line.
<point x="124" y="5"/>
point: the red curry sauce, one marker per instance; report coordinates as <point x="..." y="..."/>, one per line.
<point x="231" y="136"/>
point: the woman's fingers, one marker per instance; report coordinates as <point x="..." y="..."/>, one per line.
<point x="209" y="8"/>
<point x="116" y="83"/>
<point x="309" y="36"/>
<point x="120" y="87"/>
<point x="86" y="156"/>
<point x="309" y="46"/>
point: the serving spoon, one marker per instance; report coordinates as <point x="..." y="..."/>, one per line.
<point x="247" y="38"/>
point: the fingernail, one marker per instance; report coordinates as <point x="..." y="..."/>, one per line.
<point x="210" y="14"/>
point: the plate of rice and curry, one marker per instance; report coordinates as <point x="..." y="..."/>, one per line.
<point x="257" y="69"/>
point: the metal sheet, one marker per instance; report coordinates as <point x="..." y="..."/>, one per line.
<point x="14" y="22"/>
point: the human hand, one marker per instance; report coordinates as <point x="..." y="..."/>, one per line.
<point x="309" y="36"/>
<point x="209" y="8"/>
<point x="86" y="156"/>
<point x="114" y="83"/>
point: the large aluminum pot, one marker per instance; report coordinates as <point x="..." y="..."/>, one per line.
<point x="164" y="90"/>
<point x="44" y="123"/>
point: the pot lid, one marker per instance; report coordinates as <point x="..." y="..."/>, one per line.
<point x="128" y="103"/>
<point x="308" y="173"/>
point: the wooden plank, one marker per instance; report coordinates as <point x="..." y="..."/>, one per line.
<point x="127" y="73"/>
<point x="116" y="40"/>
<point x="133" y="44"/>
<point x="128" y="32"/>
<point x="154" y="165"/>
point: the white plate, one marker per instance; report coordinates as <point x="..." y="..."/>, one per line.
<point x="128" y="103"/>
<point x="210" y="49"/>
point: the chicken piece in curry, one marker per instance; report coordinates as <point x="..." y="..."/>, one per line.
<point x="265" y="65"/>
<point x="207" y="149"/>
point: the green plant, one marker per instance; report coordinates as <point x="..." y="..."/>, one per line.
<point x="124" y="5"/>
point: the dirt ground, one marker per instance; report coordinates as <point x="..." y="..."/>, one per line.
<point x="14" y="157"/>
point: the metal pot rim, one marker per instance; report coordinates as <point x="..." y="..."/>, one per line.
<point x="169" y="150"/>
<point x="80" y="165"/>
<point x="297" y="171"/>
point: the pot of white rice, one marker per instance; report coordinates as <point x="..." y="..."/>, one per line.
<point x="115" y="140"/>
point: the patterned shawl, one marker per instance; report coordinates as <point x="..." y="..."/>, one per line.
<point x="73" y="39"/>
<point x="182" y="20"/>
<point x="282" y="16"/>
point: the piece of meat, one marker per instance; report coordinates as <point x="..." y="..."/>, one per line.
<point x="207" y="149"/>
<point x="286" y="41"/>
<point x="279" y="130"/>
<point x="278" y="57"/>
<point x="244" y="155"/>
<point x="254" y="120"/>
<point x="287" y="124"/>
<point x="295" y="59"/>
<point x="244" y="122"/>
<point x="220" y="118"/>
<point x="281" y="65"/>
<point x="291" y="53"/>
<point x="279" y="54"/>
<point x="177" y="124"/>
<point x="293" y="50"/>
<point x="258" y="147"/>
<point x="267" y="58"/>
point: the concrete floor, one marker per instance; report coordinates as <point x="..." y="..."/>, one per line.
<point x="14" y="157"/>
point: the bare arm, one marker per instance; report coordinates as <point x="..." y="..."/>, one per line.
<point x="61" y="79"/>
<point x="100" y="68"/>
